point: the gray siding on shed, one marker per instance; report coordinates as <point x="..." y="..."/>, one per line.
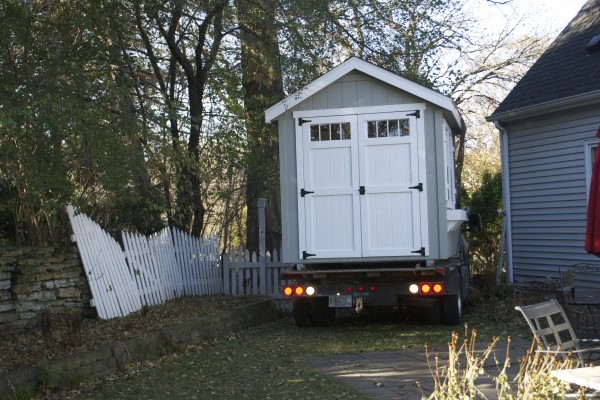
<point x="548" y="191"/>
<point x="357" y="89"/>
<point x="288" y="179"/>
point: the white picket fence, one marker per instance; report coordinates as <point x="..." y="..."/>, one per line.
<point x="172" y="264"/>
<point x="153" y="269"/>
<point x="245" y="274"/>
<point x="150" y="271"/>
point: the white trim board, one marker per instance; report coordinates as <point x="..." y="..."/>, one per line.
<point x="359" y="110"/>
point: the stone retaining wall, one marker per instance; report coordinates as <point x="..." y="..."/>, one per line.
<point x="37" y="280"/>
<point x="112" y="357"/>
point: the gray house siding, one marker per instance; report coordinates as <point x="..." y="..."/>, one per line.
<point x="360" y="90"/>
<point x="548" y="197"/>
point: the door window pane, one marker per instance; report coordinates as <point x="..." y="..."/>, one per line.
<point x="324" y="132"/>
<point x="346" y="135"/>
<point x="314" y="133"/>
<point x="372" y="129"/>
<point x="394" y="130"/>
<point x="404" y="127"/>
<point x="335" y="132"/>
<point x="381" y="128"/>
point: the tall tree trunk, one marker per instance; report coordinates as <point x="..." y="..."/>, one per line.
<point x="196" y="92"/>
<point x="262" y="84"/>
<point x="196" y="68"/>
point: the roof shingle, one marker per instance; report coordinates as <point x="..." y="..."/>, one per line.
<point x="565" y="69"/>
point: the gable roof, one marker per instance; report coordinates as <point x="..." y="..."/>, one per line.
<point x="370" y="69"/>
<point x="566" y="73"/>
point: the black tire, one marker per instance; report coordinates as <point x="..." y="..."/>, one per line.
<point x="322" y="314"/>
<point x="452" y="307"/>
<point x="302" y="313"/>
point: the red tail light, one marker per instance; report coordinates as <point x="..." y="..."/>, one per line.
<point x="427" y="288"/>
<point x="288" y="291"/>
<point x="299" y="290"/>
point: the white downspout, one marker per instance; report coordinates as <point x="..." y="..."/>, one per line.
<point x="506" y="197"/>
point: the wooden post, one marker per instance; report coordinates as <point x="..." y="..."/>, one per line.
<point x="262" y="253"/>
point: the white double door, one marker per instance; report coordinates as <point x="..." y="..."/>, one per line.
<point x="359" y="189"/>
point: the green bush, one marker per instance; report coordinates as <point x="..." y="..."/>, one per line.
<point x="484" y="246"/>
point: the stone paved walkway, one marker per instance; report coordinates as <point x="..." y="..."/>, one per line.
<point x="392" y="375"/>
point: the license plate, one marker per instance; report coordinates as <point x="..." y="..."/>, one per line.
<point x="343" y="300"/>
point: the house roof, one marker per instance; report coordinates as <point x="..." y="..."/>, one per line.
<point x="566" y="73"/>
<point x="368" y="68"/>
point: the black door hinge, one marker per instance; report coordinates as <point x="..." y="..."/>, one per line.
<point x="304" y="192"/>
<point x="415" y="114"/>
<point x="421" y="251"/>
<point x="419" y="187"/>
<point x="305" y="255"/>
<point x="361" y="190"/>
<point x="302" y="121"/>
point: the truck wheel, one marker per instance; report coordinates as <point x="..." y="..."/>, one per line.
<point x="452" y="308"/>
<point x="322" y="314"/>
<point x="302" y="313"/>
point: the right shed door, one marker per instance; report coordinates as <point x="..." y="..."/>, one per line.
<point x="389" y="171"/>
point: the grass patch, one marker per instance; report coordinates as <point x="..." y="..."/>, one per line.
<point x="259" y="363"/>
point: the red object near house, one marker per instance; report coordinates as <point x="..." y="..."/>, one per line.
<point x="592" y="234"/>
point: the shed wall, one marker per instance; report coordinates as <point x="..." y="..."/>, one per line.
<point x="548" y="192"/>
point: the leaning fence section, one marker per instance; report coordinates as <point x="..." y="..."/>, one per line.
<point x="113" y="288"/>
<point x="148" y="270"/>
<point x="248" y="274"/>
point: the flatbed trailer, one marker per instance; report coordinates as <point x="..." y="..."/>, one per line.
<point x="437" y="292"/>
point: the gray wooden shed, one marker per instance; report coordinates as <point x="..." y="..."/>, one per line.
<point x="367" y="169"/>
<point x="548" y="124"/>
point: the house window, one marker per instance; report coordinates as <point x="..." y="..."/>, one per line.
<point x="590" y="153"/>
<point x="449" y="167"/>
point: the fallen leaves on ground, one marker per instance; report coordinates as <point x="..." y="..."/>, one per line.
<point x="61" y="337"/>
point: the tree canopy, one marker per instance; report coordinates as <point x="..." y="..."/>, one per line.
<point x="142" y="113"/>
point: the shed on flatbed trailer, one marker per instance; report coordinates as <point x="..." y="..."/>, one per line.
<point x="367" y="169"/>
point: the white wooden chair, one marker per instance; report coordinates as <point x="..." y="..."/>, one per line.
<point x="553" y="331"/>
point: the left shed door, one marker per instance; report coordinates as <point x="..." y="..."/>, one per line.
<point x="328" y="189"/>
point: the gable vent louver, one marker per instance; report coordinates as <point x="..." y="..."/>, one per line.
<point x="593" y="45"/>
